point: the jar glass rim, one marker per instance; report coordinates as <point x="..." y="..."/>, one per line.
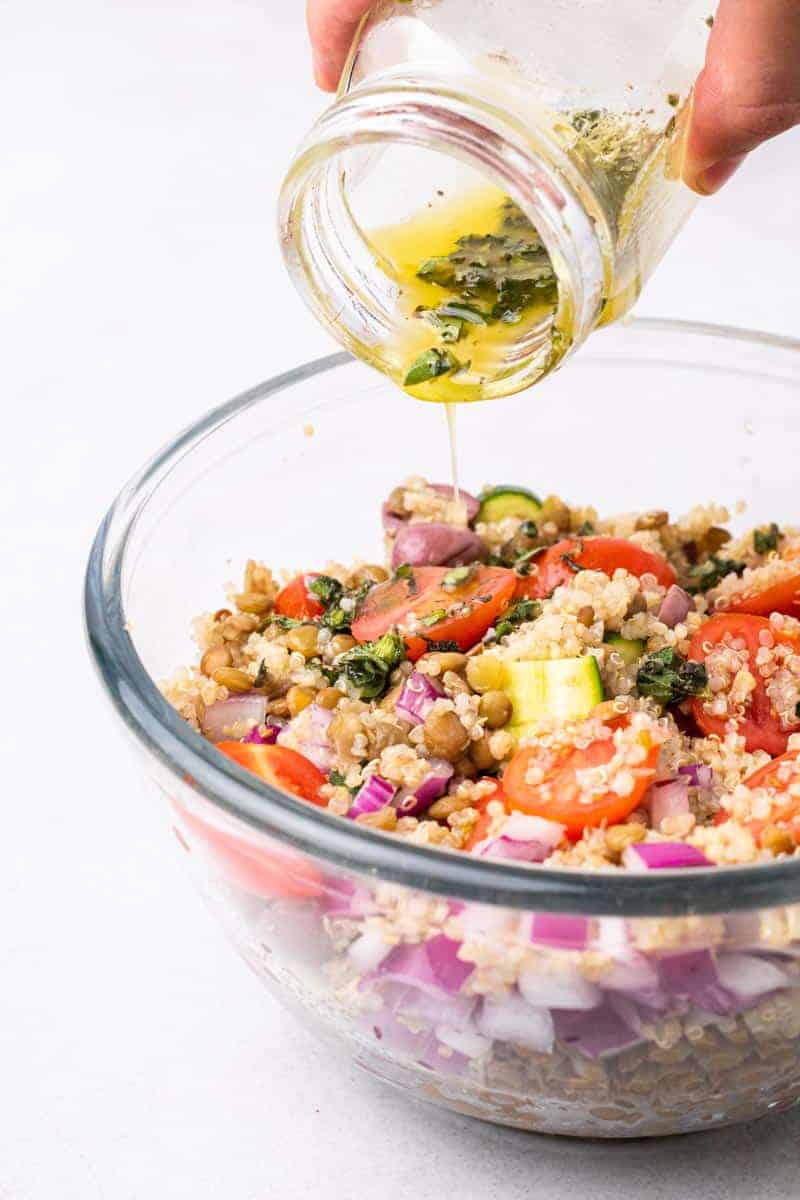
<point x="168" y="738"/>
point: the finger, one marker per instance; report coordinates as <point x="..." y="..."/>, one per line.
<point x="748" y="91"/>
<point x="332" y="25"/>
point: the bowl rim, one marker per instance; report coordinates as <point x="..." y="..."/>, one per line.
<point x="167" y="737"/>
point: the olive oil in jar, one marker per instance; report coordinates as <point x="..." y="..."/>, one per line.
<point x="473" y="277"/>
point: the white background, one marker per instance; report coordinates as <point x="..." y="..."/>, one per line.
<point x="142" y="146"/>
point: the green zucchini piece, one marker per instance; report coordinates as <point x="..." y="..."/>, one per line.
<point x="630" y="650"/>
<point x="557" y="689"/>
<point x="508" y="501"/>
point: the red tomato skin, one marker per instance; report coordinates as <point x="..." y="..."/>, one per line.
<point x="481" y="828"/>
<point x="565" y="808"/>
<point x="279" y="766"/>
<point x="761" y="729"/>
<point x="297" y="602"/>
<point x="264" y="871"/>
<point x="389" y="604"/>
<point x="606" y="554"/>
<point x="785" y="812"/>
<point x="782" y="597"/>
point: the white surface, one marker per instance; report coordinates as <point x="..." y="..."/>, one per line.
<point x="143" y="144"/>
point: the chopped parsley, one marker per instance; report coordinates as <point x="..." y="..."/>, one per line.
<point x="587" y="529"/>
<point x="326" y="589"/>
<point x="338" y="780"/>
<point x="765" y="540"/>
<point x="433" y="618"/>
<point x="366" y="669"/>
<point x="571" y="563"/>
<point x="262" y="675"/>
<point x="518" y="614"/>
<point x="430" y="365"/>
<point x="668" y="678"/>
<point x="709" y="573"/>
<point x="456" y="578"/>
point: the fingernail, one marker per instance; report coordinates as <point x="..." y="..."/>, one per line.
<point x="717" y="175"/>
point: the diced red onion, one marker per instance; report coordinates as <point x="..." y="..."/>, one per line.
<point x="511" y="850"/>
<point x="372" y="796"/>
<point x="418" y="697"/>
<point x="749" y="977"/>
<point x="426" y="1007"/>
<point x="433" y="966"/>
<point x="559" y="930"/>
<point x="433" y="544"/>
<point x="448" y="968"/>
<point x="392" y="522"/>
<point x="693" y="973"/>
<point x="512" y="1019"/>
<point x="559" y="986"/>
<point x="524" y="838"/>
<point x="222" y="715"/>
<point x="675" y="607"/>
<point x="368" y="951"/>
<point x="308" y="734"/>
<point x="265" y="734"/>
<point x="663" y="856"/>
<point x="743" y="929"/>
<point x="698" y="774"/>
<point x="669" y="799"/>
<point x="596" y="1034"/>
<point x="412" y="803"/>
<point x="343" y="897"/>
<point x="471" y="504"/>
<point x="465" y="1041"/>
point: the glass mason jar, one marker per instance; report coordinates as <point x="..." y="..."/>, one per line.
<point x="547" y="133"/>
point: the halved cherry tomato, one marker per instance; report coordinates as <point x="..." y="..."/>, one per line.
<point x="261" y="870"/>
<point x="761" y="726"/>
<point x="782" y="597"/>
<point x="279" y="766"/>
<point x="295" y="600"/>
<point x="558" y="796"/>
<point x="468" y="611"/>
<point x="786" y="808"/>
<point x="556" y="566"/>
<point x="481" y="828"/>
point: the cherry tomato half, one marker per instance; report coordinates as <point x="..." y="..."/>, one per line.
<point x="459" y="615"/>
<point x="296" y="601"/>
<point x="557" y="565"/>
<point x="759" y="725"/>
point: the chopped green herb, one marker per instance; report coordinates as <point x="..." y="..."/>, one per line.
<point x="445" y="645"/>
<point x="529" y="529"/>
<point x="430" y="365"/>
<point x="286" y="622"/>
<point x="338" y="780"/>
<point x="668" y="678"/>
<point x="456" y="578"/>
<point x="433" y="618"/>
<point x="326" y="589"/>
<point x="518" y="614"/>
<point x="366" y="669"/>
<point x="767" y="539"/>
<point x="405" y="571"/>
<point x="587" y="529"/>
<point x="709" y="573"/>
<point x="673" y="99"/>
<point x="522" y="565"/>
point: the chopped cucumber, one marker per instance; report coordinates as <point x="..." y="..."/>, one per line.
<point x="630" y="650"/>
<point x="558" y="689"/>
<point x="508" y="501"/>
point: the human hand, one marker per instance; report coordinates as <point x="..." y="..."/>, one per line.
<point x="748" y="91"/>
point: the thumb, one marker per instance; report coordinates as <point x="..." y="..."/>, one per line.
<point x="332" y="25"/>
<point x="748" y="91"/>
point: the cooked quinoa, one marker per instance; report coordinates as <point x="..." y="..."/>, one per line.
<point x="678" y="711"/>
<point x="527" y="680"/>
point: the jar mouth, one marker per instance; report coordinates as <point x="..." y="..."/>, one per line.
<point x="345" y="281"/>
<point x="174" y="750"/>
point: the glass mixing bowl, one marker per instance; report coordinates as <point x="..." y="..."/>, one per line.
<point x="608" y="1037"/>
